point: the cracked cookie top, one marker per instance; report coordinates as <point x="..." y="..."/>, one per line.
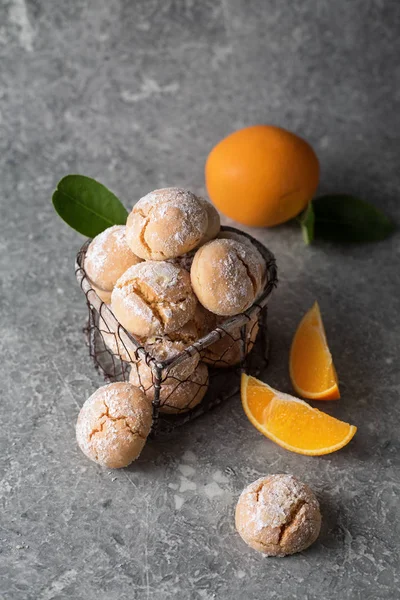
<point x="166" y="223"/>
<point x="113" y="425"/>
<point x="278" y="515"/>
<point x="227" y="276"/>
<point x="240" y="237"/>
<point x="168" y="346"/>
<point x="153" y="297"/>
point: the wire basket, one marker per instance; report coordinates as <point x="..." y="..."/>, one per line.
<point x="239" y="343"/>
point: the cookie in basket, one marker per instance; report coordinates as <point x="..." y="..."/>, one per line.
<point x="176" y="395"/>
<point x="117" y="341"/>
<point x="185" y="261"/>
<point x="166" y="223"/>
<point x="214" y="222"/>
<point x="243" y="239"/>
<point x="107" y="258"/>
<point x="225" y="352"/>
<point x="169" y="346"/>
<point x="227" y="276"/>
<point x="153" y="298"/>
<point x="163" y="348"/>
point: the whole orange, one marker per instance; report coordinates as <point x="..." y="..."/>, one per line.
<point x="261" y="175"/>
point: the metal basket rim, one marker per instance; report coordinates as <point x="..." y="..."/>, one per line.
<point x="219" y="332"/>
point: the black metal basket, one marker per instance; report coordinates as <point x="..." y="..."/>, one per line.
<point x="115" y="351"/>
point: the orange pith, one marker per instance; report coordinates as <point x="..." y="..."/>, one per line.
<point x="311" y="367"/>
<point x="292" y="423"/>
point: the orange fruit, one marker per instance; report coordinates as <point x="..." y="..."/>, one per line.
<point x="291" y="422"/>
<point x="261" y="175"/>
<point x="311" y="367"/>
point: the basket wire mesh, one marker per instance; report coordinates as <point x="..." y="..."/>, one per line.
<point x="237" y="344"/>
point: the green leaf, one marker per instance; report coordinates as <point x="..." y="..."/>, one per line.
<point x="344" y="218"/>
<point x="307" y="221"/>
<point x="87" y="205"/>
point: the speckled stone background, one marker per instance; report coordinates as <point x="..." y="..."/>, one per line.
<point x="135" y="94"/>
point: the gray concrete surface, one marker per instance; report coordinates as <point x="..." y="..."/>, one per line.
<point x="135" y="94"/>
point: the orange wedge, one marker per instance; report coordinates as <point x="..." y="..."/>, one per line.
<point x="292" y="423"/>
<point x="311" y="367"/>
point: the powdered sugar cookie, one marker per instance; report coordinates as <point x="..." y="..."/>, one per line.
<point x="153" y="298"/>
<point x="227" y="351"/>
<point x="169" y="346"/>
<point x="278" y="515"/>
<point x="166" y="223"/>
<point x="226" y="276"/>
<point x="243" y="239"/>
<point x="107" y="258"/>
<point x="176" y="395"/>
<point x="117" y="341"/>
<point x="113" y="425"/>
<point x="214" y="221"/>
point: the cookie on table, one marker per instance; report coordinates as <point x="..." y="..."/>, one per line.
<point x="278" y="515"/>
<point x="113" y="425"/>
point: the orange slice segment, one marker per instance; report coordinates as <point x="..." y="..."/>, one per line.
<point x="292" y="423"/>
<point x="311" y="367"/>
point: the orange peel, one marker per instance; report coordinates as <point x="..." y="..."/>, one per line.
<point x="292" y="423"/>
<point x="311" y="367"/>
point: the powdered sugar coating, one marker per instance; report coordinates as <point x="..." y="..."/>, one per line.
<point x="113" y="425"/>
<point x="169" y="346"/>
<point x="166" y="223"/>
<point x="226" y="276"/>
<point x="163" y="348"/>
<point x="204" y="320"/>
<point x="152" y="298"/>
<point x="243" y="239"/>
<point x="278" y="515"/>
<point x="108" y="257"/>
